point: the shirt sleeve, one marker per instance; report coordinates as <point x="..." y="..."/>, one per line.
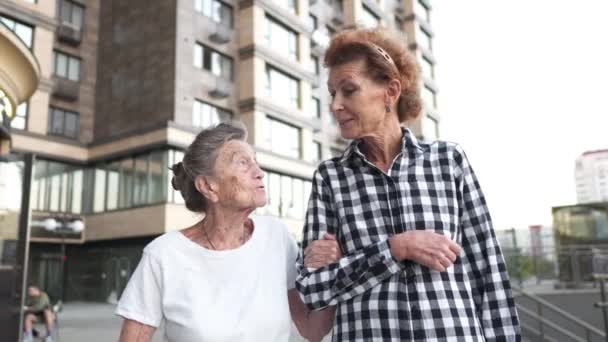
<point x="491" y="287"/>
<point x="350" y="276"/>
<point x="141" y="299"/>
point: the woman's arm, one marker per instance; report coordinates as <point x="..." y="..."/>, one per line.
<point x="352" y="274"/>
<point x="133" y="331"/>
<point x="312" y="325"/>
<point x="490" y="281"/>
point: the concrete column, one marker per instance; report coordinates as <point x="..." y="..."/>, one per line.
<point x="352" y="11"/>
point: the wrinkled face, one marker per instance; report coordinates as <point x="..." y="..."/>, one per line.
<point x="358" y="102"/>
<point x="238" y="178"/>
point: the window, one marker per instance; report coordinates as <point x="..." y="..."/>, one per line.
<point x="291" y="5"/>
<point x="368" y="18"/>
<point x="428" y="97"/>
<point x="140" y="180"/>
<point x="6" y="107"/>
<point x="216" y="11"/>
<point x="20" y="119"/>
<point x="56" y="187"/>
<point x="66" y="66"/>
<point x="71" y="14"/>
<point x="130" y="182"/>
<point x="125" y="183"/>
<point x="206" y="115"/>
<point x="430" y="128"/>
<point x="282" y="138"/>
<point x="315" y="65"/>
<point x="423" y="38"/>
<point x="280" y="37"/>
<point x="113" y="186"/>
<point x="63" y="123"/>
<point x="99" y="190"/>
<point x="23" y="31"/>
<point x="282" y="88"/>
<point x="318" y="152"/>
<point x="287" y="196"/>
<point x="427" y="68"/>
<point x="421" y="11"/>
<point x="313" y="23"/>
<point x="316" y="107"/>
<point x="158" y="176"/>
<point x="208" y="59"/>
<point x="175" y="196"/>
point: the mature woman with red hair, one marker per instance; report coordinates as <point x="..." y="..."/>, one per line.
<point x="421" y="261"/>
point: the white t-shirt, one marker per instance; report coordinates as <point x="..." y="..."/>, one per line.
<point x="207" y="295"/>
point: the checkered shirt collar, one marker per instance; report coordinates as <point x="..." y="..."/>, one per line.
<point x="408" y="142"/>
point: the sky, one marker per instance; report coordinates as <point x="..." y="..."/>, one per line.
<point x="523" y="88"/>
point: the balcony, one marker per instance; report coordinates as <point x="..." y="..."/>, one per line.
<point x="66" y="89"/>
<point x="220" y="33"/>
<point x="68" y="33"/>
<point x="20" y="75"/>
<point x="221" y="89"/>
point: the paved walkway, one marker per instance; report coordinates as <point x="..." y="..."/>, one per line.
<point x="91" y="322"/>
<point x="95" y="322"/>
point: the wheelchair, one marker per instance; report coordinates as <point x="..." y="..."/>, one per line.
<point x="39" y="329"/>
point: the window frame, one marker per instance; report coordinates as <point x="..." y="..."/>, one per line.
<point x="69" y="58"/>
<point x="53" y="111"/>
<point x="71" y="5"/>
<point x="220" y="112"/>
<point x="13" y="27"/>
<point x="207" y="65"/>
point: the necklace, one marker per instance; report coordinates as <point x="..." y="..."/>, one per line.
<point x="211" y="243"/>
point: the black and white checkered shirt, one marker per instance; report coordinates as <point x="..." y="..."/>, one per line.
<point x="429" y="186"/>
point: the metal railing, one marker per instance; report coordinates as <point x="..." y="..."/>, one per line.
<point x="546" y="328"/>
<point x="568" y="266"/>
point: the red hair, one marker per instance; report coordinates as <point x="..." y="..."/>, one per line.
<point x="359" y="43"/>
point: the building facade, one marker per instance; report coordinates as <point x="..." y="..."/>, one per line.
<point x="591" y="177"/>
<point x="126" y="85"/>
<point x="19" y="77"/>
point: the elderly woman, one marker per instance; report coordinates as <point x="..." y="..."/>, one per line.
<point x="229" y="277"/>
<point x="421" y="261"/>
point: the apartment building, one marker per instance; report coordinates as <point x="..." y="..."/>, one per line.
<point x="125" y="86"/>
<point x="591" y="177"/>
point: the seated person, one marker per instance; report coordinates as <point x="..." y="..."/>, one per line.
<point x="38" y="308"/>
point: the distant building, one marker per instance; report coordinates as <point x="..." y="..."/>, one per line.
<point x="537" y="240"/>
<point x="591" y="176"/>
<point x="581" y="233"/>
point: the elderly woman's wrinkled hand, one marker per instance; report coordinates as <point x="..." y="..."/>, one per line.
<point x="426" y="247"/>
<point x="321" y="253"/>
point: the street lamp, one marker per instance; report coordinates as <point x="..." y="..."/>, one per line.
<point x="61" y="226"/>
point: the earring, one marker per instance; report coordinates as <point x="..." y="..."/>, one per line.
<point x="387" y="108"/>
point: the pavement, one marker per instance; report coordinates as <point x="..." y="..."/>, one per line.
<point x="91" y="322"/>
<point x="96" y="322"/>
